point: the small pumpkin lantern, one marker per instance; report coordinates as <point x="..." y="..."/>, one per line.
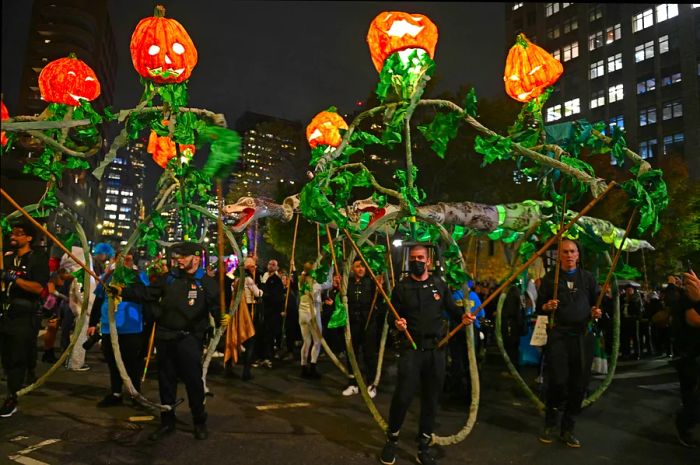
<point x="324" y="129"/>
<point x="529" y="70"/>
<point x="4" y="116"/>
<point x="394" y="31"/>
<point x="68" y="80"/>
<point x="162" y="50"/>
<point x="162" y="149"/>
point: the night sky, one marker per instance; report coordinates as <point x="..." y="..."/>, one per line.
<point x="286" y="58"/>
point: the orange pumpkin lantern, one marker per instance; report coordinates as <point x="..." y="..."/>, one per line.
<point x="162" y="148"/>
<point x="68" y="80"/>
<point x="162" y="50"/>
<point x="394" y="31"/>
<point x="4" y="116"/>
<point x="529" y="70"/>
<point x="324" y="129"/>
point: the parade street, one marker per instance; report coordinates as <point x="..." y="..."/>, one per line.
<point x="279" y="418"/>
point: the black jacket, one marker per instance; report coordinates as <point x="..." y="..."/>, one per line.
<point x="577" y="295"/>
<point x="421" y="303"/>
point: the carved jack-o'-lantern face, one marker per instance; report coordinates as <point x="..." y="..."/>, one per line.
<point x="68" y="80"/>
<point x="394" y="31"/>
<point x="162" y="148"/>
<point x="324" y="129"/>
<point x="529" y="70"/>
<point x="162" y="50"/>
<point x="5" y="115"/>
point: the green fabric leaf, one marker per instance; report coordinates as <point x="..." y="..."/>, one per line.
<point x="364" y="138"/>
<point x="471" y="106"/>
<point x="649" y="194"/>
<point x="224" y="151"/>
<point x="400" y="78"/>
<point x="123" y="276"/>
<point x="441" y="130"/>
<point x="339" y="317"/>
<point x="493" y="148"/>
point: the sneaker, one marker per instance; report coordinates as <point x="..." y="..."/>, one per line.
<point x="388" y="455"/>
<point x="110" y="400"/>
<point x="201" y="432"/>
<point x="9" y="408"/>
<point x="161" y="432"/>
<point x="351" y="390"/>
<point x="372" y="391"/>
<point x="570" y="440"/>
<point x="424" y="457"/>
<point x="85" y="367"/>
<point x="266" y="363"/>
<point x="547" y="436"/>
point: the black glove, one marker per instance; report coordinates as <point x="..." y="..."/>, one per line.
<point x="10" y="276"/>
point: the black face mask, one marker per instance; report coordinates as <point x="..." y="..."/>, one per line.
<point x="416" y="268"/>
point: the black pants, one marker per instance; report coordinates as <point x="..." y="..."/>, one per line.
<point x="364" y="341"/>
<point x="688" y="369"/>
<point x="418" y="368"/>
<point x="568" y="359"/>
<point x="181" y="358"/>
<point x="130" y="346"/>
<point x="629" y="330"/>
<point x="18" y="347"/>
<point x="67" y="322"/>
<point x="272" y="332"/>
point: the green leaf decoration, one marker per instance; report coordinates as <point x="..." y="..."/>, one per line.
<point x="471" y="106"/>
<point x="123" y="276"/>
<point x="526" y="250"/>
<point x="224" y="151"/>
<point x="402" y="77"/>
<point x="493" y="148"/>
<point x="174" y="95"/>
<point x="364" y="138"/>
<point x="619" y="145"/>
<point x="649" y="194"/>
<point x="339" y="317"/>
<point x="441" y="130"/>
<point x="454" y="273"/>
<point x="317" y="153"/>
<point x="316" y="207"/>
<point x="621" y="272"/>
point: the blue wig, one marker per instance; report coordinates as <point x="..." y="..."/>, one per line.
<point x="103" y="248"/>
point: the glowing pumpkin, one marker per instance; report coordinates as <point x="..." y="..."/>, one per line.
<point x="68" y="80"/>
<point x="162" y="149"/>
<point x="4" y="116"/>
<point x="394" y="31"/>
<point x="162" y="50"/>
<point x="324" y="129"/>
<point x="529" y="70"/>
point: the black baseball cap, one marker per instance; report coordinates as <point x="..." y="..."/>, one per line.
<point x="186" y="249"/>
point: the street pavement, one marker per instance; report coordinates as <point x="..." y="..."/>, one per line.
<point x="279" y="418"/>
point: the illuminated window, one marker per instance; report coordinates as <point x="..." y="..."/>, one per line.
<point x="613" y="33"/>
<point x="647" y="148"/>
<point x="570" y="51"/>
<point x="670" y="80"/>
<point x="663" y="44"/>
<point x="647" y="116"/>
<point x="572" y="107"/>
<point x="670" y="140"/>
<point x="615" y="93"/>
<point x="614" y="62"/>
<point x="597" y="69"/>
<point x="644" y="51"/>
<point x="570" y="25"/>
<point x="565" y="5"/>
<point x="551" y="8"/>
<point x="595" y="40"/>
<point x="598" y="99"/>
<point x="666" y="11"/>
<point x="647" y="85"/>
<point x="595" y="13"/>
<point x="554" y="113"/>
<point x="672" y="109"/>
<point x="553" y="33"/>
<point x="111" y="207"/>
<point x="517" y="5"/>
<point x="642" y="20"/>
<point x="557" y="54"/>
<point x="618" y="121"/>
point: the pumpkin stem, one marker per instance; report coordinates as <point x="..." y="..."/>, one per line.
<point x="72" y="55"/>
<point x="522" y="40"/>
<point x="159" y="11"/>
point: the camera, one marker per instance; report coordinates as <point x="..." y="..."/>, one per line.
<point x="91" y="341"/>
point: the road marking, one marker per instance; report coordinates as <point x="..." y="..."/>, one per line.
<point x="662" y="387"/>
<point x="24" y="460"/>
<point x="281" y="406"/>
<point x="19" y="438"/>
<point x="45" y="443"/>
<point x="21" y="456"/>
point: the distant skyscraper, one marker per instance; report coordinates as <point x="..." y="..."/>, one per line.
<point x="270" y="147"/>
<point x="631" y="65"/>
<point x="57" y="28"/>
<point x="121" y="196"/>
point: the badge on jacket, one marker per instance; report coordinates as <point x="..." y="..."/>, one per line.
<point x="436" y="295"/>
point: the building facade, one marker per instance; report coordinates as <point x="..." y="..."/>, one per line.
<point x="636" y="66"/>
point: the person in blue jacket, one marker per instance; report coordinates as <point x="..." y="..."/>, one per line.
<point x="129" y="319"/>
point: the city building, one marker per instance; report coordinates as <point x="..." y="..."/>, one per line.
<point x="121" y="195"/>
<point x="57" y="28"/>
<point x="636" y="66"/>
<point x="273" y="155"/>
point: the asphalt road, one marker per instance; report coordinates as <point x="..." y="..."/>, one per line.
<point x="280" y="418"/>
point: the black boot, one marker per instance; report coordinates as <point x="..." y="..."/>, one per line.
<point x="49" y="356"/>
<point x="424" y="456"/>
<point x="313" y="374"/>
<point x="305" y="372"/>
<point x="201" y="432"/>
<point x="388" y="455"/>
<point x="167" y="426"/>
